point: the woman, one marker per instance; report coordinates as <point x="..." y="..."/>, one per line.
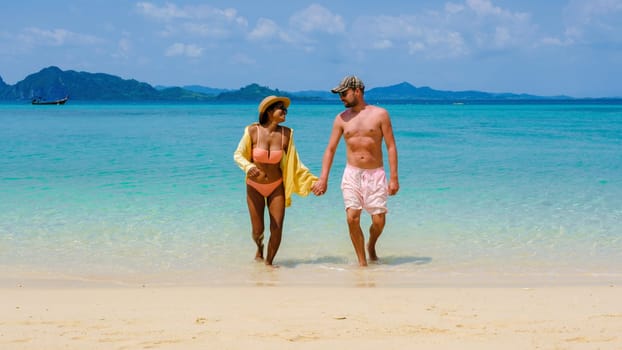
<point x="268" y="156"/>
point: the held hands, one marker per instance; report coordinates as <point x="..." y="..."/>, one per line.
<point x="319" y="187"/>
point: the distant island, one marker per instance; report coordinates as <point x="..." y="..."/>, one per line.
<point x="52" y="83"/>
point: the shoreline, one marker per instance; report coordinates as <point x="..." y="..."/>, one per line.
<point x="328" y="276"/>
<point x="311" y="317"/>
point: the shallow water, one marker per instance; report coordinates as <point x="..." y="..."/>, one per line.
<point x="149" y="193"/>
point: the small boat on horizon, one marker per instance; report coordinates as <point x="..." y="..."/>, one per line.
<point x="38" y="101"/>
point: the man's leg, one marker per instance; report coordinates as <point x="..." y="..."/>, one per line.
<point x="356" y="234"/>
<point x="375" y="230"/>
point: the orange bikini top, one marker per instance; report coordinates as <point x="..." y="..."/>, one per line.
<point x="267" y="156"/>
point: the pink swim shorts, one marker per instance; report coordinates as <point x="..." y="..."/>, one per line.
<point x="365" y="189"/>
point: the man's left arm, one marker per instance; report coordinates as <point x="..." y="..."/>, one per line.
<point x="389" y="139"/>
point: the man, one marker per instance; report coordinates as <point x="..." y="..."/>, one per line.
<point x="364" y="184"/>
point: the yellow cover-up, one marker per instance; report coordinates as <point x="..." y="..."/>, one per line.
<point x="297" y="178"/>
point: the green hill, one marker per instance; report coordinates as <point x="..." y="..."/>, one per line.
<point x="53" y="83"/>
<point x="252" y="92"/>
<point x="407" y="91"/>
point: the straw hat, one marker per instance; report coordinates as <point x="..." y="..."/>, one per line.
<point x="269" y="101"/>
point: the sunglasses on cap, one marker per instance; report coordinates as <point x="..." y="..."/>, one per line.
<point x="344" y="93"/>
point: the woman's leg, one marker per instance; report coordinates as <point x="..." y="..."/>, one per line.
<point x="256" y="204"/>
<point x="276" y="208"/>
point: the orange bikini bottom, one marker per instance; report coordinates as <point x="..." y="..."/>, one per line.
<point x="265" y="189"/>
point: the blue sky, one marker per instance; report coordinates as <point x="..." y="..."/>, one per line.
<point x="549" y="47"/>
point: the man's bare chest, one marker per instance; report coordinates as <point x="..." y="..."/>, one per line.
<point x="361" y="128"/>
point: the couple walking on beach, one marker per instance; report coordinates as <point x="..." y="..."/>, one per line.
<point x="274" y="171"/>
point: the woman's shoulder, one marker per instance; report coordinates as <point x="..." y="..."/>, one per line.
<point x="251" y="127"/>
<point x="287" y="131"/>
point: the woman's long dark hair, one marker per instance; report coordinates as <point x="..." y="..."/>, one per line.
<point x="263" y="119"/>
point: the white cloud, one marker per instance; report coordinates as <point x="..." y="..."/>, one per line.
<point x="502" y="36"/>
<point x="33" y="38"/>
<point x="166" y="13"/>
<point x="226" y="24"/>
<point x="415" y="47"/>
<point x="553" y="41"/>
<point x="124" y="47"/>
<point x="180" y="49"/>
<point x="382" y="44"/>
<point x="458" y="29"/>
<point x="453" y="7"/>
<point x="412" y="34"/>
<point x="206" y="30"/>
<point x="56" y="37"/>
<point x="443" y="44"/>
<point x="455" y="29"/>
<point x="484" y="8"/>
<point x="243" y="59"/>
<point x="265" y="29"/>
<point x="316" y="18"/>
<point x="594" y="21"/>
<point x="202" y="20"/>
<point x="303" y="26"/>
<point x="171" y="12"/>
<point x="497" y="28"/>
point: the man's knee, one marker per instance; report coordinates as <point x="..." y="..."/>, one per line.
<point x="378" y="221"/>
<point x="353" y="216"/>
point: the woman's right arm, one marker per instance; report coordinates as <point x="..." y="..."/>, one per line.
<point x="242" y="155"/>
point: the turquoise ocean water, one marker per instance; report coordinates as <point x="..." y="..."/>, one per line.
<point x="149" y="194"/>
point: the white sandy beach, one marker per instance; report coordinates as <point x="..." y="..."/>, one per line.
<point x="260" y="317"/>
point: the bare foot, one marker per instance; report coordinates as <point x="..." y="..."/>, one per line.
<point x="259" y="254"/>
<point x="371" y="250"/>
